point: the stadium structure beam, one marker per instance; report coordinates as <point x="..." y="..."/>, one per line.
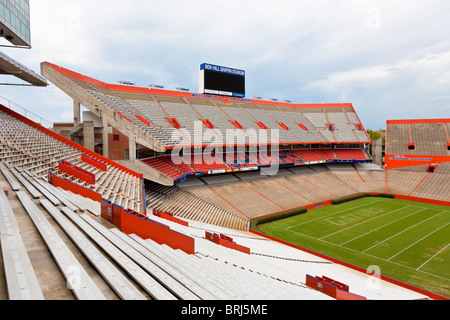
<point x="9" y="66"/>
<point x="149" y="173"/>
<point x="102" y="111"/>
<point x="105" y="137"/>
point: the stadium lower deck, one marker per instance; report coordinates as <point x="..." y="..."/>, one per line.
<point x="272" y="271"/>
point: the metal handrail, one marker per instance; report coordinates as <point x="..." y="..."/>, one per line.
<point x="26" y="113"/>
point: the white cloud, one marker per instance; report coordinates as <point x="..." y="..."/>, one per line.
<point x="431" y="72"/>
<point x="415" y="87"/>
<point x="377" y="54"/>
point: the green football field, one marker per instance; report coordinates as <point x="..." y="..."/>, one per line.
<point x="407" y="241"/>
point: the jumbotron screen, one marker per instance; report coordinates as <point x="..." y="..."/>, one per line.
<point x="222" y="81"/>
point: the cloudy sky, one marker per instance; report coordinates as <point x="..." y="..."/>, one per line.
<point x="391" y="59"/>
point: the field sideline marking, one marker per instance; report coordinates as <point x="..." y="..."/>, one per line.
<point x="365" y="222"/>
<point x="411" y="205"/>
<point x="393" y="236"/>
<point x="332" y="214"/>
<point x="421" y="240"/>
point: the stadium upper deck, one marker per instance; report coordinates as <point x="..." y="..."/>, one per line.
<point x="158" y="113"/>
<point x="163" y="121"/>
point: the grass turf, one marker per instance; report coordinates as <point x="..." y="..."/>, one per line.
<point x="407" y="241"/>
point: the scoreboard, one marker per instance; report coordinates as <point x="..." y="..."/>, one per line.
<point x="223" y="81"/>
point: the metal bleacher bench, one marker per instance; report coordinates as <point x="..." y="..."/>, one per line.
<point x="150" y="285"/>
<point x="80" y="282"/>
<point x="21" y="280"/>
<point x="121" y="285"/>
<point x="15" y="185"/>
<point x="160" y="289"/>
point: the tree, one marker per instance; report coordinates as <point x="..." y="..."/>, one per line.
<point x="375" y="135"/>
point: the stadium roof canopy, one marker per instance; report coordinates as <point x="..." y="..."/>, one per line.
<point x="9" y="66"/>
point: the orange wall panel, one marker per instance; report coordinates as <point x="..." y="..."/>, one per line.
<point x="134" y="223"/>
<point x="402" y="161"/>
<point x="75" y="188"/>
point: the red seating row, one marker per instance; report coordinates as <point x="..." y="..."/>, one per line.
<point x="326" y="154"/>
<point x="309" y="155"/>
<point x="167" y="167"/>
<point x="314" y="155"/>
<point x="350" y="154"/>
<point x="202" y="164"/>
<point x="239" y="160"/>
<point x="193" y="164"/>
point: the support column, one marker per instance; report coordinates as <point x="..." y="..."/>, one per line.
<point x="132" y="147"/>
<point x="76" y="115"/>
<point x="377" y="151"/>
<point x="89" y="137"/>
<point x="105" y="138"/>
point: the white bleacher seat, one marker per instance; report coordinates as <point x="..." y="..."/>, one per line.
<point x="21" y="280"/>
<point x="194" y="293"/>
<point x="128" y="265"/>
<point x="81" y="284"/>
<point x="137" y="271"/>
<point x="15" y="185"/>
<point x="121" y="285"/>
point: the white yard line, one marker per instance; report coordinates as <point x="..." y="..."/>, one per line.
<point x="418" y="242"/>
<point x="434" y="255"/>
<point x="362" y="223"/>
<point x="332" y="214"/>
<point x="393" y="236"/>
<point x="386" y="224"/>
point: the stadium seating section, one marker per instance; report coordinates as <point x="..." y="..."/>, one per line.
<point x="252" y="194"/>
<point x="429" y="137"/>
<point x="28" y="147"/>
<point x="190" y="120"/>
<point x="230" y="199"/>
<point x="321" y="158"/>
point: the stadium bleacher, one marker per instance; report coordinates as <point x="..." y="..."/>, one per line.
<point x="150" y="270"/>
<point x="313" y="134"/>
<point x="179" y="119"/>
<point x="417" y="142"/>
<point x="350" y="154"/>
<point x="28" y="146"/>
<point x="217" y="203"/>
<point x="315" y="165"/>
<point x="409" y="168"/>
